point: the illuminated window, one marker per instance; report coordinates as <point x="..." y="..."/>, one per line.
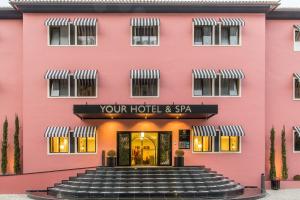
<point x="86" y="144"/>
<point x="230" y="143"/>
<point x="202" y="143"/>
<point x="59" y="145"/>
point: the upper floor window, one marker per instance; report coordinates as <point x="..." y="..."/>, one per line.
<point x="297" y="38"/>
<point x="144" y="83"/>
<point x="62" y="32"/>
<point x="63" y="84"/>
<point x="207" y="31"/>
<point x="296" y="82"/>
<point x="145" y="31"/>
<point x="296" y="139"/>
<point x="206" y="82"/>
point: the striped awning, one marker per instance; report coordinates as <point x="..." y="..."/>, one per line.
<point x="204" y="131"/>
<point x="85" y="74"/>
<point x="57" y="131"/>
<point x="57" y="74"/>
<point x="204" y="22"/>
<point x="144" y="22"/>
<point x="232" y="74"/>
<point x="297" y="76"/>
<point x="204" y="73"/>
<point x="232" y="131"/>
<point x="297" y="129"/>
<point x="232" y="22"/>
<point x="297" y="27"/>
<point x="85" y="21"/>
<point x="85" y="131"/>
<point x="57" y="22"/>
<point x="144" y="74"/>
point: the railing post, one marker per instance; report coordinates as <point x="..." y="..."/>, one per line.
<point x="263" y="183"/>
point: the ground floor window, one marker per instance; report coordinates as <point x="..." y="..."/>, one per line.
<point x="86" y="144"/>
<point x="59" y="144"/>
<point x="296" y="141"/>
<point x="230" y="143"/>
<point x="202" y="144"/>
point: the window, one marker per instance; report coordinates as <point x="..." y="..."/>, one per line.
<point x="86" y="144"/>
<point x="229" y="143"/>
<point x="145" y="87"/>
<point x="203" y="87"/>
<point x="230" y="35"/>
<point x="297" y="40"/>
<point x="59" y="87"/>
<point x="59" y="35"/>
<point x="86" y="35"/>
<point x="59" y="144"/>
<point x="86" y="87"/>
<point x="145" y="35"/>
<point x="202" y="144"/>
<point x="227" y="86"/>
<point x="296" y="141"/>
<point x="296" y="88"/>
<point x="203" y="35"/>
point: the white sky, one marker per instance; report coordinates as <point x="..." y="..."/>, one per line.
<point x="284" y="3"/>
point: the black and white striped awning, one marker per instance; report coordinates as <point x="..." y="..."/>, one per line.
<point x="297" y="129"/>
<point x="204" y="131"/>
<point x="204" y="22"/>
<point x="85" y="21"/>
<point x="232" y="74"/>
<point x="232" y="22"/>
<point x="85" y="74"/>
<point x="144" y="22"/>
<point x="57" y="22"/>
<point x="144" y="74"/>
<point x="297" y="27"/>
<point x="297" y="76"/>
<point x="57" y="131"/>
<point x="204" y="73"/>
<point x="85" y="131"/>
<point x="232" y="131"/>
<point x="57" y="74"/>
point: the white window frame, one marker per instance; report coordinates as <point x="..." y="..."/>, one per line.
<point x="229" y="45"/>
<point x="203" y="45"/>
<point x="65" y="45"/>
<point x="294" y="96"/>
<point x="212" y="85"/>
<point x="76" y="41"/>
<point x="142" y="97"/>
<point x="213" y="146"/>
<point x="294" y="151"/>
<point x="145" y="45"/>
<point x="294" y="39"/>
<point x="69" y="91"/>
<point x="75" y="146"/>
<point x="239" y="89"/>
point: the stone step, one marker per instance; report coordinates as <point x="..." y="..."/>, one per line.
<point x="147" y="175"/>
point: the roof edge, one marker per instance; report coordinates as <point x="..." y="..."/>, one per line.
<point x="10" y="13"/>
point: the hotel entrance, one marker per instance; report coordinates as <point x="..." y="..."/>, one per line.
<point x="139" y="148"/>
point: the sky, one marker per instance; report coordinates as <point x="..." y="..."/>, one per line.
<point x="284" y="3"/>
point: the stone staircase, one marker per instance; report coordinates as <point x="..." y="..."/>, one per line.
<point x="145" y="183"/>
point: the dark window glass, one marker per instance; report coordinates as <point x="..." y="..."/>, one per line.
<point x="72" y="143"/>
<point x="217" y="142"/>
<point x="59" y="87"/>
<point x="297" y="141"/>
<point x="217" y="35"/>
<point x="230" y="87"/>
<point x="230" y="35"/>
<point x="72" y="34"/>
<point x="86" y="87"/>
<point x="144" y="87"/>
<point x="72" y="86"/>
<point x="203" y="35"/>
<point x="202" y="87"/>
<point x="145" y="35"/>
<point x="86" y="35"/>
<point x="297" y="88"/>
<point x="217" y="86"/>
<point x="59" y="35"/>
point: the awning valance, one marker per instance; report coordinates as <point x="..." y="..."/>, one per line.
<point x="204" y="131"/>
<point x="297" y="76"/>
<point x="204" y="73"/>
<point x="85" y="21"/>
<point x="57" y="74"/>
<point x="232" y="131"/>
<point x="57" y="22"/>
<point x="232" y="74"/>
<point x="297" y="27"/>
<point x="144" y="22"/>
<point x="297" y="129"/>
<point x="57" y="131"/>
<point x="85" y="74"/>
<point x="144" y="74"/>
<point x="85" y="131"/>
<point x="204" y="22"/>
<point x="232" y="22"/>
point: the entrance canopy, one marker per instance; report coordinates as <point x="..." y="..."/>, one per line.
<point x="144" y="111"/>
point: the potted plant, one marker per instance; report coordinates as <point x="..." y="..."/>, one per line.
<point x="275" y="182"/>
<point x="179" y="158"/>
<point x="111" y="158"/>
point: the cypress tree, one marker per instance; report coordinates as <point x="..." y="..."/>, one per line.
<point x="284" y="170"/>
<point x="4" y="148"/>
<point x="272" y="155"/>
<point x="17" y="164"/>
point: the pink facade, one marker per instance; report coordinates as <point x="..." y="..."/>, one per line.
<point x="266" y="57"/>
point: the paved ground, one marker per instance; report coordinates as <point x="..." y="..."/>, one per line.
<point x="291" y="194"/>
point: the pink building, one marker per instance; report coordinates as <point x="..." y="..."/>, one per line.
<point x="148" y="78"/>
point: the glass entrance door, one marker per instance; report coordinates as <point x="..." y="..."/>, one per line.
<point x="165" y="149"/>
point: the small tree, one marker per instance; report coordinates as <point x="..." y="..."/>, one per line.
<point x="284" y="170"/>
<point x="17" y="155"/>
<point x="272" y="155"/>
<point x="4" y="148"/>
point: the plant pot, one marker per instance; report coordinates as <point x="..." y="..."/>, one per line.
<point x="178" y="161"/>
<point x="275" y="184"/>
<point x="111" y="161"/>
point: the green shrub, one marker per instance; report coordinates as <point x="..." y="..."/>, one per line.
<point x="179" y="153"/>
<point x="111" y="153"/>
<point x="296" y="178"/>
<point x="17" y="154"/>
<point x="4" y="148"/>
<point x="284" y="169"/>
<point x="272" y="155"/>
